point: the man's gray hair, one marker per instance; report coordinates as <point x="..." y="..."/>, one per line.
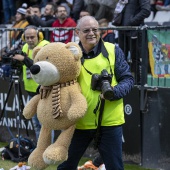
<point x="83" y="19"/>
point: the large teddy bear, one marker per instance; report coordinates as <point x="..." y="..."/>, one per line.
<point x="60" y="102"/>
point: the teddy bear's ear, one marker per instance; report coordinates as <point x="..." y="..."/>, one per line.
<point x="75" y="49"/>
<point x="35" y="51"/>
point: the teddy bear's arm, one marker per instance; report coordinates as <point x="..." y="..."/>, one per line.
<point x="31" y="107"/>
<point x="78" y="104"/>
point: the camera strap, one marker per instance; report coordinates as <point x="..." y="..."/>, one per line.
<point x="105" y="55"/>
<point x="97" y="136"/>
<point x="91" y="72"/>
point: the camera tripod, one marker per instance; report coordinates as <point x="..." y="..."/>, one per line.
<point x="15" y="82"/>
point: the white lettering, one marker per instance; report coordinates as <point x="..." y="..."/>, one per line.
<point x="14" y="102"/>
<point x="1" y="100"/>
<point x="25" y="100"/>
<point x="12" y="122"/>
<point x="7" y="107"/>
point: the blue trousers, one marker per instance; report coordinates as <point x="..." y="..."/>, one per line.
<point x="110" y="148"/>
<point x="166" y="2"/>
<point x="9" y="9"/>
<point x="36" y="123"/>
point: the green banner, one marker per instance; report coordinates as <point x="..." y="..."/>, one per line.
<point x="159" y="52"/>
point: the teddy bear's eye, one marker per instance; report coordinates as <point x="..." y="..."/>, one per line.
<point x="46" y="58"/>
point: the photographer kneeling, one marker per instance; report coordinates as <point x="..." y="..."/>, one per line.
<point x="32" y="38"/>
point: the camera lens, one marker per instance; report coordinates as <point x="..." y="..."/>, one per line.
<point x="95" y="82"/>
<point x="107" y="90"/>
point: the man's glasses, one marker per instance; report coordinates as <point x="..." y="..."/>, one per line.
<point x="86" y="31"/>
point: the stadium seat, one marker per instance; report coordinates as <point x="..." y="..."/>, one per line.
<point x="150" y="18"/>
<point x="162" y="16"/>
<point x="151" y="23"/>
<point x="166" y="23"/>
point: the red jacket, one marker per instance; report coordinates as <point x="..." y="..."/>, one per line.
<point x="59" y="35"/>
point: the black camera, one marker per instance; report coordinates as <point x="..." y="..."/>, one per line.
<point x="10" y="66"/>
<point x="7" y="58"/>
<point x="103" y="83"/>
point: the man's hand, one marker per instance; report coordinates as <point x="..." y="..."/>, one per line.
<point x="18" y="57"/>
<point x="29" y="12"/>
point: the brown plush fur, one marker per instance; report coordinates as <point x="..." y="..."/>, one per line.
<point x="72" y="102"/>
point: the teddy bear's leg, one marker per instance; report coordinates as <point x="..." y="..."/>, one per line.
<point x="58" y="152"/>
<point x="36" y="157"/>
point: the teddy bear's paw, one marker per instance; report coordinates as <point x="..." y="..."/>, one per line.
<point x="74" y="117"/>
<point x="55" y="156"/>
<point x="76" y="113"/>
<point x="27" y="116"/>
<point x="36" y="160"/>
<point x="38" y="165"/>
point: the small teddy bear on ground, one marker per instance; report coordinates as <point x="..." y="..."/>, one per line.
<point x="21" y="166"/>
<point x="60" y="102"/>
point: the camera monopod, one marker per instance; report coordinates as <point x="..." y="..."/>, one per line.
<point x="15" y="83"/>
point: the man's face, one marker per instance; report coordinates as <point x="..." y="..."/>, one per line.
<point x="88" y="33"/>
<point x="31" y="37"/>
<point x="104" y="24"/>
<point x="48" y="10"/>
<point x="61" y="13"/>
<point x="84" y="13"/>
<point x="36" y="11"/>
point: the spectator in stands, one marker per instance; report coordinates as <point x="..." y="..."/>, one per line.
<point x="20" y="22"/>
<point x="62" y="20"/>
<point x="31" y="13"/>
<point x="101" y="8"/>
<point x="15" y="41"/>
<point x="84" y="13"/>
<point x="92" y="6"/>
<point x="106" y="35"/>
<point x="135" y="11"/>
<point x="44" y="20"/>
<point x="78" y="6"/>
<point x="48" y="16"/>
<point x="63" y="3"/>
<point x="9" y="11"/>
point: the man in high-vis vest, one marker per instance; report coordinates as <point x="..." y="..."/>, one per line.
<point x="105" y="79"/>
<point x="32" y="38"/>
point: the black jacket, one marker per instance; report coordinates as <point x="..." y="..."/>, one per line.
<point x="135" y="12"/>
<point x="44" y="21"/>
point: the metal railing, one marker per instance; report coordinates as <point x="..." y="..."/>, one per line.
<point x="134" y="41"/>
<point x="141" y="38"/>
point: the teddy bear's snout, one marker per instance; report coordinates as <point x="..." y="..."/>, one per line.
<point x="35" y="69"/>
